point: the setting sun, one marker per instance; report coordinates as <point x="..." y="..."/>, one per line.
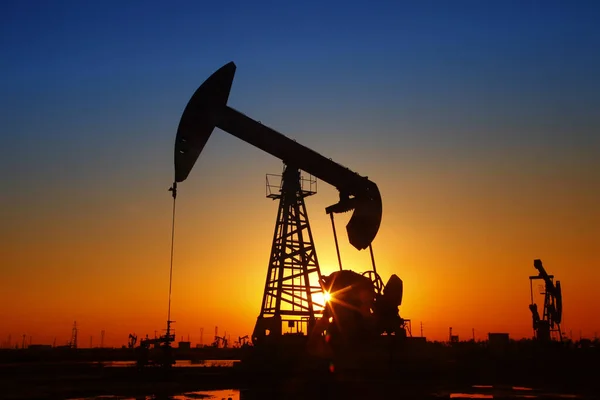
<point x="326" y="296"/>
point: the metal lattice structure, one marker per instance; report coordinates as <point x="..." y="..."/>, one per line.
<point x="293" y="272"/>
<point x="73" y="342"/>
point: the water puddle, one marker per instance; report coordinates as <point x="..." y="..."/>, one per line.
<point x="178" y="363"/>
<point x="211" y="394"/>
<point x="229" y="394"/>
<point x="506" y="392"/>
<point x="476" y="392"/>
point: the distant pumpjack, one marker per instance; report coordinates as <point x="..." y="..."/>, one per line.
<point x="242" y="341"/>
<point x="221" y="341"/>
<point x="131" y="341"/>
<point x="548" y="325"/>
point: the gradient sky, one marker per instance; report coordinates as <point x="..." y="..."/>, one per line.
<point x="478" y="120"/>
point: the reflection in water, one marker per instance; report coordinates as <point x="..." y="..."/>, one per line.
<point x="229" y="394"/>
<point x="508" y="392"/>
<point x="178" y="363"/>
<point x="480" y="392"/>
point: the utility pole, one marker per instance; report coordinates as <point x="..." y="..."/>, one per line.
<point x="23" y="345"/>
<point x="201" y="336"/>
<point x="102" y="339"/>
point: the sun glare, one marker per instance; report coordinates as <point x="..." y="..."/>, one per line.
<point x="326" y="296"/>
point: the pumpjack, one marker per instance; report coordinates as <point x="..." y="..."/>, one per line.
<point x="547" y="326"/>
<point x="220" y="341"/>
<point x="155" y="351"/>
<point x="131" y="341"/>
<point x="242" y="341"/>
<point x="294" y="282"/>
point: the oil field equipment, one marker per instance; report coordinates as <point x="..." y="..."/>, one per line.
<point x="289" y="305"/>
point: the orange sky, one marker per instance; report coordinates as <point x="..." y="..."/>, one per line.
<point x="462" y="233"/>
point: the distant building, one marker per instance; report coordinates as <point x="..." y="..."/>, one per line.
<point x="498" y="341"/>
<point x="184" y="345"/>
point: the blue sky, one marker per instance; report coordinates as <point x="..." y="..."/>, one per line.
<point x="92" y="92"/>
